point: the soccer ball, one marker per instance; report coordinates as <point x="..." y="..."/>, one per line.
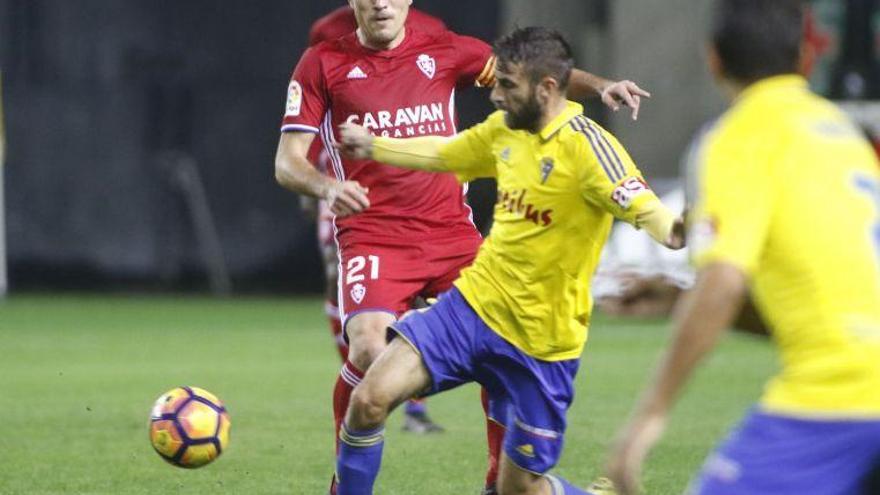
<point x="189" y="427"/>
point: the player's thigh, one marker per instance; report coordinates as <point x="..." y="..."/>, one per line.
<point x="367" y="333"/>
<point x="397" y="375"/>
<point x="512" y="479"/>
<point x="444" y="336"/>
<point x="538" y="395"/>
<point x="770" y="454"/>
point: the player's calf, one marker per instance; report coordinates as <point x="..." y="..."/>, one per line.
<point x="396" y="376"/>
<point x="366" y="342"/>
<point x="361" y="441"/>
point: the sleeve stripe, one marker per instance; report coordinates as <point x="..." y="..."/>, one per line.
<point x="490" y="64"/>
<point x="603" y="142"/>
<point x="487" y="76"/>
<point x="578" y="125"/>
<point x="299" y="128"/>
<point x="329" y="145"/>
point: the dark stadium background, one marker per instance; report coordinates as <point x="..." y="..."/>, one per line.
<point x="107" y="103"/>
<point x="133" y="125"/>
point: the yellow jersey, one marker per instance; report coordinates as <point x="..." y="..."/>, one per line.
<point x="558" y="191"/>
<point x="788" y="190"/>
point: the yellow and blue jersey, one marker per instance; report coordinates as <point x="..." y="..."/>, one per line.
<point x="558" y="192"/>
<point x="788" y="190"/>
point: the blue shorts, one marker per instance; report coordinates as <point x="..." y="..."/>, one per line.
<point x="778" y="455"/>
<point x="529" y="396"/>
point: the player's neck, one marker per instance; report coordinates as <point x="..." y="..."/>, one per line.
<point x="731" y="89"/>
<point x="380" y="46"/>
<point x="555" y="107"/>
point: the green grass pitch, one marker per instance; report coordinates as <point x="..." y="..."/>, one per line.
<point x="78" y="376"/>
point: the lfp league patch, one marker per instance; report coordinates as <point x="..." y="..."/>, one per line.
<point x="294" y="100"/>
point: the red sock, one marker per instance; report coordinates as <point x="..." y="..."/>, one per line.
<point x="336" y="328"/>
<point x="494" y="440"/>
<point x="348" y="379"/>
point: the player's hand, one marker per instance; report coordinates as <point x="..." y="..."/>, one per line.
<point x="624" y="92"/>
<point x="677" y="237"/>
<point x="346" y="198"/>
<point x="355" y="141"/>
<point x="624" y="467"/>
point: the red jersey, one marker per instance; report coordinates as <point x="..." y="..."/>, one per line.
<point x="341" y="21"/>
<point x="404" y="92"/>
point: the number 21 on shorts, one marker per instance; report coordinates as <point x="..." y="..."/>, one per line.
<point x="355" y="273"/>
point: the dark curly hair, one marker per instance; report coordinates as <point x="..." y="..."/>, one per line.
<point x="541" y="51"/>
<point x="756" y="39"/>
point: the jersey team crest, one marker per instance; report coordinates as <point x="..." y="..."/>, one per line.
<point x="546" y="168"/>
<point x="505" y="154"/>
<point x="358" y="292"/>
<point x="427" y="65"/>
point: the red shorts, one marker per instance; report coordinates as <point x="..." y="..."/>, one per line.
<point x="388" y="278"/>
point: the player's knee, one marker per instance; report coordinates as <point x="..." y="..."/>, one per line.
<point x="368" y="408"/>
<point x="508" y="485"/>
<point x="513" y="480"/>
<point x="366" y="340"/>
<point x="363" y="352"/>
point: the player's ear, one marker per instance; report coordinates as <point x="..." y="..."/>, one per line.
<point x="713" y="62"/>
<point x="545" y="87"/>
<point x="807" y="58"/>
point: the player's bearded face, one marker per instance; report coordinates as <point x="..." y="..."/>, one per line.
<point x="524" y="114"/>
<point x="516" y="95"/>
<point x="380" y="21"/>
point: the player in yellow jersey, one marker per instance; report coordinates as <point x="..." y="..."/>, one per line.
<point x="516" y="320"/>
<point x="786" y="203"/>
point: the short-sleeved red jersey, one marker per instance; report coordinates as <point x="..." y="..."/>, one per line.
<point x="404" y="92"/>
<point x="341" y="21"/>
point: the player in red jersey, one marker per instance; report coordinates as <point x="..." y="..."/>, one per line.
<point x="335" y="25"/>
<point x="400" y="233"/>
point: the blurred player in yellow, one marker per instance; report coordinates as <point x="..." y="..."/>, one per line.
<point x="786" y="203"/>
<point x="516" y="320"/>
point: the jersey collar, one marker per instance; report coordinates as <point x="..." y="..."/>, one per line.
<point x="785" y="82"/>
<point x="571" y="111"/>
<point x="408" y="34"/>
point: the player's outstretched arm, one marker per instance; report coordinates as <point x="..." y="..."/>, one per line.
<point x="700" y="318"/>
<point x="661" y="224"/>
<point x="294" y="172"/>
<point x="420" y="153"/>
<point x="613" y="93"/>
